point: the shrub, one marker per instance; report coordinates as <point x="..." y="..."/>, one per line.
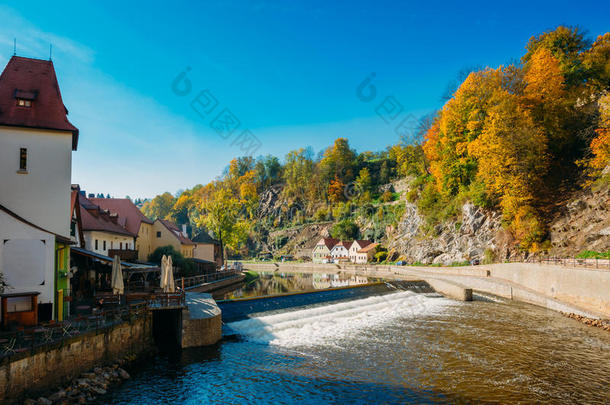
<point x="387" y="196"/>
<point x="345" y="230"/>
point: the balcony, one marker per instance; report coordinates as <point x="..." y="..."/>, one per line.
<point x="124" y="254"/>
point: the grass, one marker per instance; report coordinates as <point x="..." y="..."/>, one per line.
<point x="591" y="254"/>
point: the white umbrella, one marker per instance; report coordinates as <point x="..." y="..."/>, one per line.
<point x="117" y="276"/>
<point x="162" y="282"/>
<point x="170" y="276"/>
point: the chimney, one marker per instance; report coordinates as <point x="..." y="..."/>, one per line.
<point x="184" y="231"/>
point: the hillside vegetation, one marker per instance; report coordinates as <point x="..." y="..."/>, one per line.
<point x="513" y="141"/>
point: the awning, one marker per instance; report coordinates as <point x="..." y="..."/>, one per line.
<point x="109" y="260"/>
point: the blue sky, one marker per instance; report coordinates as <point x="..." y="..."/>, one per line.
<point x="288" y="71"/>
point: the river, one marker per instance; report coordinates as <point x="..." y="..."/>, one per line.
<point x="382" y="344"/>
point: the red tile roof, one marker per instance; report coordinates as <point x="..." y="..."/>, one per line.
<point x="329" y="242"/>
<point x="129" y="215"/>
<point x="177" y="232"/>
<point x="33" y="79"/>
<point x="362" y="243"/>
<point x="94" y="218"/>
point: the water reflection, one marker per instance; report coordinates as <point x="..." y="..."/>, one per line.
<point x="281" y="283"/>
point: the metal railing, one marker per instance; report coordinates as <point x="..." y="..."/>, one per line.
<point x="25" y="340"/>
<point x="209" y="278"/>
<point x="593" y="263"/>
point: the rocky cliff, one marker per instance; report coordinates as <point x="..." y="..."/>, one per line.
<point x="581" y="223"/>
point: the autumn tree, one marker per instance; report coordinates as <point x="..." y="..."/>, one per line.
<point x="220" y="213"/>
<point x="298" y="174"/>
<point x="159" y="207"/>
<point x="336" y="190"/>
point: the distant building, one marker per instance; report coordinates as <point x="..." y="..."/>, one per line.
<point x="355" y="247"/>
<point x="321" y="250"/>
<point x="334" y="250"/>
<point x="36" y="144"/>
<point x="207" y="248"/>
<point x="133" y="220"/>
<point x="103" y="230"/>
<point x="366" y="254"/>
<point x="167" y="233"/>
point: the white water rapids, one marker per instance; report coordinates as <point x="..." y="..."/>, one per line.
<point x="325" y="325"/>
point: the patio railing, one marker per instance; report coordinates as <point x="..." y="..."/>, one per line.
<point x="28" y="339"/>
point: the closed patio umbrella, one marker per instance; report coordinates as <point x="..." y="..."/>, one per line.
<point x="117" y="276"/>
<point x="162" y="281"/>
<point x="169" y="285"/>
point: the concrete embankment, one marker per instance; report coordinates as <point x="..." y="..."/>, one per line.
<point x="576" y="290"/>
<point x="201" y="321"/>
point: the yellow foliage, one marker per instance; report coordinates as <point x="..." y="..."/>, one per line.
<point x="544" y="80"/>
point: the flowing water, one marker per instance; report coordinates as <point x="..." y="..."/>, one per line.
<point x="384" y="345"/>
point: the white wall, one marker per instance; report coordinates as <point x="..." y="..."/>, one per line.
<point x="27" y="258"/>
<point x="42" y="196"/>
<point x="91" y="236"/>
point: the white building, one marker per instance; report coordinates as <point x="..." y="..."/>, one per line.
<point x="355" y="247"/>
<point x="102" y="230"/>
<point x="321" y="250"/>
<point x="340" y="251"/>
<point x="36" y="144"/>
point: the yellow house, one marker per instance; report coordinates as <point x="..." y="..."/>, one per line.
<point x="166" y="233"/>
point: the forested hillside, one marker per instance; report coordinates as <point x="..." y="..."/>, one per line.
<point x="513" y="143"/>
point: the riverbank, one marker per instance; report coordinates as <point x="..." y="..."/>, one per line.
<point x="584" y="292"/>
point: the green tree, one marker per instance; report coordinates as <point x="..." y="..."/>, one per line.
<point x="159" y="207"/>
<point x="185" y="266"/>
<point x="345" y="230"/>
<point x="220" y="213"/>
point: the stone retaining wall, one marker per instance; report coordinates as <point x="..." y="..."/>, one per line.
<point x="56" y="364"/>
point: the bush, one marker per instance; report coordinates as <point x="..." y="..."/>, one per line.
<point x="321" y="215"/>
<point x="387" y="196"/>
<point x="186" y="267"/>
<point x="345" y="230"/>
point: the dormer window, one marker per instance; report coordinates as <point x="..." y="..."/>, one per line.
<point x="21" y="102"/>
<point x="25" y="98"/>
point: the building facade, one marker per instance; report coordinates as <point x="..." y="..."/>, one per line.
<point x="36" y="145"/>
<point x="321" y="251"/>
<point x="166" y="233"/>
<point x="133" y="220"/>
<point x="102" y="230"/>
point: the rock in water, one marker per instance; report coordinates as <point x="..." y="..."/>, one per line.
<point x="124" y="374"/>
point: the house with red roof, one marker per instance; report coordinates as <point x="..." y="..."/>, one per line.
<point x="103" y="230"/>
<point x="36" y="145"/>
<point x="133" y="220"/>
<point x="340" y="252"/>
<point x="356" y="246"/>
<point x="321" y="251"/>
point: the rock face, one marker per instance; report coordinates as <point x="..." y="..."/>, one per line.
<point x="583" y="224"/>
<point x="454" y="241"/>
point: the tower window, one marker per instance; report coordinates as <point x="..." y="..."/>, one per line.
<point x="21" y="102"/>
<point x="23" y="159"/>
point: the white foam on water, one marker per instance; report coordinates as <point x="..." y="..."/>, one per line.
<point x="326" y="324"/>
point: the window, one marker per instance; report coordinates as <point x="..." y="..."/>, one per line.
<point x="104" y="245"/>
<point x="121" y="245"/>
<point x="23" y="159"/>
<point x="96" y="245"/>
<point x="111" y="245"/>
<point x="21" y="102"/>
<point x="158" y="234"/>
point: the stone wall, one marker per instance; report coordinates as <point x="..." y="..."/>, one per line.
<point x="55" y="364"/>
